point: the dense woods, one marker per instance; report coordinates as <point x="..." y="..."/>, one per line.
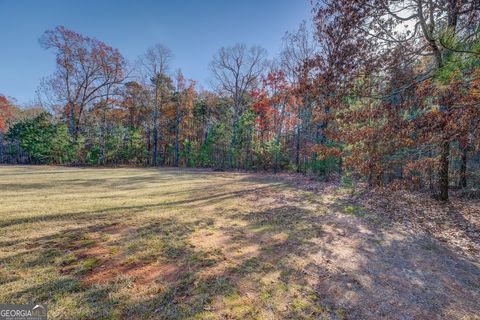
<point x="382" y="91"/>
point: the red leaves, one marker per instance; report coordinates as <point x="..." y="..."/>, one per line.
<point x="88" y="71"/>
<point x="5" y="113"/>
<point x="3" y="109"/>
<point x="76" y="51"/>
<point x="274" y="104"/>
<point x="324" y="152"/>
<point x="264" y="112"/>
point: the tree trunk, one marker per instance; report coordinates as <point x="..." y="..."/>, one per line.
<point x="177" y="133"/>
<point x="103" y="137"/>
<point x="443" y="173"/>
<point x="149" y="147"/>
<point x="155" y="145"/>
<point x="232" y="145"/>
<point x="297" y="151"/>
<point x="155" y="126"/>
<point x="462" y="183"/>
<point x="71" y="124"/>
<point x="247" y="151"/>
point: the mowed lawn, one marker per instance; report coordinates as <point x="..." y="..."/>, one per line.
<point x="126" y="243"/>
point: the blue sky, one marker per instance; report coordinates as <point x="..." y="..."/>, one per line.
<point x="193" y="30"/>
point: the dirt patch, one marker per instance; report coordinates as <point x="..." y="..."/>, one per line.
<point x="111" y="264"/>
<point x="166" y="273"/>
<point x="237" y="246"/>
<point x="142" y="274"/>
<point x="97" y="251"/>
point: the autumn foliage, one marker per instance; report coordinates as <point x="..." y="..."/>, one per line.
<point x="385" y="92"/>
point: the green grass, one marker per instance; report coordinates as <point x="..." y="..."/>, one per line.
<point x="145" y="243"/>
<point x="150" y="243"/>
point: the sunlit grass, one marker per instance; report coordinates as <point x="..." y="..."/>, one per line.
<point x="123" y="243"/>
<point x="145" y="243"/>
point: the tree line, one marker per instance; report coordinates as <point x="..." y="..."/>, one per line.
<point x="383" y="91"/>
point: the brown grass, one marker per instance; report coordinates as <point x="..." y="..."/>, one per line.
<point x="189" y="244"/>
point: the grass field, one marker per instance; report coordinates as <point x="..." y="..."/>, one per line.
<point x="172" y="244"/>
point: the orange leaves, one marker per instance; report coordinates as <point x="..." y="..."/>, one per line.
<point x="408" y="142"/>
<point x="276" y="81"/>
<point x="354" y="135"/>
<point x="324" y="151"/>
<point x="475" y="88"/>
<point x="3" y="124"/>
<point x="87" y="69"/>
<point x="264" y="112"/>
<point x="274" y="104"/>
<point x="6" y="113"/>
<point x="420" y="168"/>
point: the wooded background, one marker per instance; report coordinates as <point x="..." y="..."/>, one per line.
<point x="382" y="91"/>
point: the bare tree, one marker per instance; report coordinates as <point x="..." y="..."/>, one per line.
<point x="236" y="70"/>
<point x="85" y="68"/>
<point x="298" y="47"/>
<point x="154" y="65"/>
<point x="156" y="60"/>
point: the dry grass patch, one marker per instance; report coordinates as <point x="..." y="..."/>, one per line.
<point x="170" y="244"/>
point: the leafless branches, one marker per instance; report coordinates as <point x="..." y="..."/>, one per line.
<point x="236" y="70"/>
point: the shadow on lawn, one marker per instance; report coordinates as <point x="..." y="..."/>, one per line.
<point x="125" y="182"/>
<point x="410" y="278"/>
<point x="204" y="288"/>
<point x="95" y="214"/>
<point x="129" y="180"/>
<point x="346" y="263"/>
<point x="455" y="222"/>
<point x="399" y="273"/>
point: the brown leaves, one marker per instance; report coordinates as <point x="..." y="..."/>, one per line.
<point x="88" y="70"/>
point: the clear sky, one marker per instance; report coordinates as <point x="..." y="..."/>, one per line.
<point x="193" y="30"/>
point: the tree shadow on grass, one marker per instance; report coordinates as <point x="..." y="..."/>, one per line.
<point x="455" y="222"/>
<point x="392" y="272"/>
<point x="191" y="291"/>
<point x="354" y="268"/>
<point x="214" y="198"/>
<point x="130" y="180"/>
<point x="282" y="262"/>
<point x="232" y="285"/>
<point x="69" y="251"/>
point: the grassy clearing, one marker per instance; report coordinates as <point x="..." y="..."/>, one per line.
<point x="170" y="244"/>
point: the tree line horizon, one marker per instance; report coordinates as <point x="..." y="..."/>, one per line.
<point x="382" y="91"/>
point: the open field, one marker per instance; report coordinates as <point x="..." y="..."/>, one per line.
<point x="99" y="243"/>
